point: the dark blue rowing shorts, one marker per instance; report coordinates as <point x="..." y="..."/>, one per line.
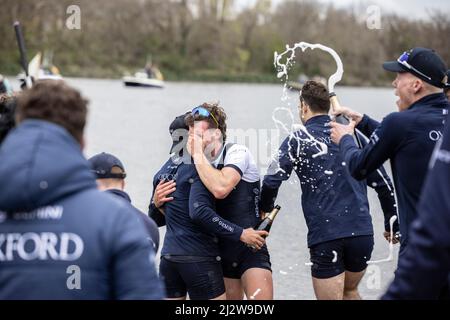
<point x="334" y="257"/>
<point x="238" y="258"/>
<point x="200" y="277"/>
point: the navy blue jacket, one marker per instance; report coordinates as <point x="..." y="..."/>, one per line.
<point x="193" y="226"/>
<point x="149" y="224"/>
<point x="334" y="204"/>
<point x="53" y="221"/>
<point x="425" y="267"/>
<point x="407" y="138"/>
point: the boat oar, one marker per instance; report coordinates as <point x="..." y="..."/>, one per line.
<point x="23" y="53"/>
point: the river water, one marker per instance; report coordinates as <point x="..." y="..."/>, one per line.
<point x="132" y="123"/>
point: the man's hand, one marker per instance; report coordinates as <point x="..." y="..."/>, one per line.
<point x="349" y="113"/>
<point x="387" y="236"/>
<point x="262" y="215"/>
<point x="339" y="130"/>
<point x="163" y="189"/>
<point x="254" y="238"/>
<point x="195" y="147"/>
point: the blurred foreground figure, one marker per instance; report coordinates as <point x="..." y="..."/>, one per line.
<point x="60" y="237"/>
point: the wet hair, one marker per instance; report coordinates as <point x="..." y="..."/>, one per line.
<point x="218" y="113"/>
<point x="54" y="101"/>
<point x="316" y="96"/>
<point x="7" y="111"/>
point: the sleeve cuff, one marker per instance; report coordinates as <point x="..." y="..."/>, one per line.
<point x="346" y="140"/>
<point x="268" y="197"/>
<point x="238" y="233"/>
<point x="364" y="121"/>
<point x="235" y="167"/>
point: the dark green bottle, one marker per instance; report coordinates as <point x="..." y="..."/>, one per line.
<point x="266" y="223"/>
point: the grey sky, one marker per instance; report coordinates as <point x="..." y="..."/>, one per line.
<point x="415" y="9"/>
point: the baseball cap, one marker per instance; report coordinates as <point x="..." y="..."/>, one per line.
<point x="178" y="130"/>
<point x="424" y="63"/>
<point x="102" y="165"/>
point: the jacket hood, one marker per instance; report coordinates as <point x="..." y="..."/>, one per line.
<point x="40" y="163"/>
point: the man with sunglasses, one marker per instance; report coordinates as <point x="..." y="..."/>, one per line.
<point x="231" y="175"/>
<point x="425" y="267"/>
<point x="406" y="137"/>
<point x="190" y="256"/>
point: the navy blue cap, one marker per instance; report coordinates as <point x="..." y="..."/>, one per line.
<point x="424" y="63"/>
<point x="175" y="132"/>
<point x="102" y="164"/>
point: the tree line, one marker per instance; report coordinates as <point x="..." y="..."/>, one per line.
<point x="211" y="40"/>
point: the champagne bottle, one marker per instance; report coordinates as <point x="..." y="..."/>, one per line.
<point x="340" y="118"/>
<point x="266" y="223"/>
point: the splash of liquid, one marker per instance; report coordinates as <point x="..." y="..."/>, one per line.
<point x="335" y="257"/>
<point x="391" y="244"/>
<point x="252" y="297"/>
<point x="283" y="68"/>
<point x="282" y="71"/>
<point x="306" y="138"/>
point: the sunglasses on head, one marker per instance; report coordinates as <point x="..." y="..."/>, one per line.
<point x="403" y="60"/>
<point x="201" y="111"/>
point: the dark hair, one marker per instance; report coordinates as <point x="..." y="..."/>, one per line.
<point x="316" y="96"/>
<point x="7" y="110"/>
<point x="218" y="113"/>
<point x="56" y="102"/>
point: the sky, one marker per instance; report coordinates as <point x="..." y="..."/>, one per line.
<point x="415" y="9"/>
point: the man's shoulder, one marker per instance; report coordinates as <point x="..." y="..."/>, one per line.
<point x="232" y="148"/>
<point x="97" y="205"/>
<point x="399" y="119"/>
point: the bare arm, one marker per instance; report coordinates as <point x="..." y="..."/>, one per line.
<point x="219" y="182"/>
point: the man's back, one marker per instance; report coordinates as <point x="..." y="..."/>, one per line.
<point x="60" y="238"/>
<point x="334" y="204"/>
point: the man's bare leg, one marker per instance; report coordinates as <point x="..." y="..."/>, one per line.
<point x="234" y="289"/>
<point x="352" y="280"/>
<point x="258" y="284"/>
<point x="329" y="289"/>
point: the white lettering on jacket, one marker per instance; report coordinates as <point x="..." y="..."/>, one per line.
<point x="30" y="246"/>
<point x="44" y="213"/>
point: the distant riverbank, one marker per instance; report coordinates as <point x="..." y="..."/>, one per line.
<point x="208" y="76"/>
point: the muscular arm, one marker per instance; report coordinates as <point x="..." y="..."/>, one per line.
<point x="219" y="182"/>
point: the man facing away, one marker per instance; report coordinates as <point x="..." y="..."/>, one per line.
<point x="335" y="206"/>
<point x="60" y="237"/>
<point x="110" y="174"/>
